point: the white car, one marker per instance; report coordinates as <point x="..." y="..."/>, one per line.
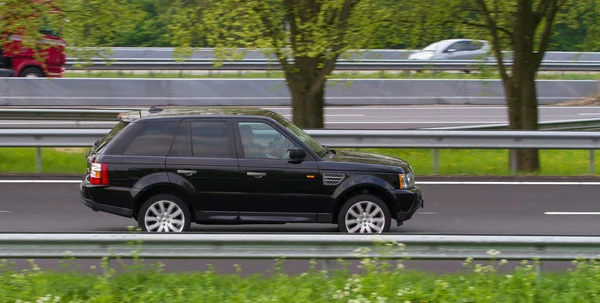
<point x="453" y="49"/>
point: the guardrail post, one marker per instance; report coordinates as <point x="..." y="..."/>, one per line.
<point x="436" y="161"/>
<point x="325" y="264"/>
<point x="38" y="159"/>
<point x="513" y="161"/>
<point x="592" y="161"/>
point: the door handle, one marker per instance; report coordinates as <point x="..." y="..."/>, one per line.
<point x="256" y="175"/>
<point x="186" y="172"/>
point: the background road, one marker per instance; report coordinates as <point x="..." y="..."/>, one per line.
<point x="450" y="209"/>
<point x="383" y="117"/>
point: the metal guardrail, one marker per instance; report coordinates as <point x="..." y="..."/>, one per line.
<point x="342" y="65"/>
<point x="426" y="139"/>
<point x="77" y="115"/>
<point x="558" y="125"/>
<point x="320" y="247"/>
<point x="347" y="138"/>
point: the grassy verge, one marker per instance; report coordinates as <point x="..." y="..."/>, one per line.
<point x="451" y="162"/>
<point x="337" y="75"/>
<point x="377" y="283"/>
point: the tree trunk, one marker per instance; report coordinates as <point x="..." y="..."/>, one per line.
<point x="307" y="106"/>
<point x="520" y="89"/>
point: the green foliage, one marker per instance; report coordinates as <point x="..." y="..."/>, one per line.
<point x="379" y="281"/>
<point x="82" y="23"/>
<point x="156" y="23"/>
<point x="287" y="29"/>
<point x="151" y="31"/>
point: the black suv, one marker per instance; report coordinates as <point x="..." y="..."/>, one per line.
<point x="167" y="168"/>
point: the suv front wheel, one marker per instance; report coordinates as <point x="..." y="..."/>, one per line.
<point x="364" y="214"/>
<point x="164" y="213"/>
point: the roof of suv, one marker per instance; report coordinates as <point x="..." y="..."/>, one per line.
<point x="192" y="112"/>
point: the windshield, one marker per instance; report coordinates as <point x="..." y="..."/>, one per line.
<point x="432" y="47"/>
<point x="304" y="137"/>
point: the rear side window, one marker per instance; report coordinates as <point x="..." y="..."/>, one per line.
<point x="154" y="139"/>
<point x="111" y="134"/>
<point x="203" y="139"/>
<point x="210" y="139"/>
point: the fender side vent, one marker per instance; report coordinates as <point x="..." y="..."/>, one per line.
<point x="333" y="178"/>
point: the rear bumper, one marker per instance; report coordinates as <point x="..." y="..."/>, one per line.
<point x="95" y="206"/>
<point x="124" y="212"/>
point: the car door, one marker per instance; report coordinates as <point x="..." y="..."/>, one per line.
<point x="202" y="158"/>
<point x="273" y="187"/>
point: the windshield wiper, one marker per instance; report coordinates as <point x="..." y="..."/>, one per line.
<point x="329" y="151"/>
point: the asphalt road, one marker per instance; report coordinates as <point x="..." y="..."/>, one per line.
<point x="449" y="209"/>
<point x="515" y="209"/>
<point x="382" y="117"/>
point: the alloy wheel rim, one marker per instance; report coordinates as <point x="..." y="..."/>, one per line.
<point x="164" y="216"/>
<point x="365" y="217"/>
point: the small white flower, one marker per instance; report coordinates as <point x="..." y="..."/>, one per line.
<point x="493" y="252"/>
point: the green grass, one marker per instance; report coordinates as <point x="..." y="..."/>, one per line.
<point x="345" y="75"/>
<point x="378" y="282"/>
<point x="451" y="162"/>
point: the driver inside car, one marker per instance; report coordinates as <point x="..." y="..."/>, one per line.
<point x="251" y="148"/>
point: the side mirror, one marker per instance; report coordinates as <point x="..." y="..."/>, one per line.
<point x="451" y="50"/>
<point x="296" y="153"/>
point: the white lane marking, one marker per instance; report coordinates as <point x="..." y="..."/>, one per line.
<point x="4" y="211"/>
<point x="504" y="183"/>
<point x="433" y="107"/>
<point x="272" y="98"/>
<point x="589" y="114"/>
<point x="40" y="181"/>
<point x="418" y="182"/>
<point x="412" y="122"/>
<point x="332" y="80"/>
<point x="28" y="122"/>
<point x="335" y="115"/>
<point x="571" y="213"/>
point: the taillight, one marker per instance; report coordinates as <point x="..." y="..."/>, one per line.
<point x="99" y="174"/>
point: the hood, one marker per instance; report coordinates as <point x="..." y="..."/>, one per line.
<point x="369" y="158"/>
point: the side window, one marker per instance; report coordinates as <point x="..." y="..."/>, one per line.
<point x="475" y="45"/>
<point x="260" y="140"/>
<point x="154" y="139"/>
<point x="210" y="139"/>
<point x="457" y="46"/>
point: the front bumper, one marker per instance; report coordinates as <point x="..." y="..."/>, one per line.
<point x="408" y="202"/>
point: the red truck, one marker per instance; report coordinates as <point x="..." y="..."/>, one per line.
<point x="24" y="61"/>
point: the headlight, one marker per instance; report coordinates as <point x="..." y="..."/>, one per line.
<point x="407" y="181"/>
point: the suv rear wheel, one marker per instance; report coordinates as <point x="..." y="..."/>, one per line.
<point x="364" y="214"/>
<point x="164" y="213"/>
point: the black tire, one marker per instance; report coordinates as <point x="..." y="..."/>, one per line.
<point x="32" y="71"/>
<point x="185" y="215"/>
<point x="383" y="215"/>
